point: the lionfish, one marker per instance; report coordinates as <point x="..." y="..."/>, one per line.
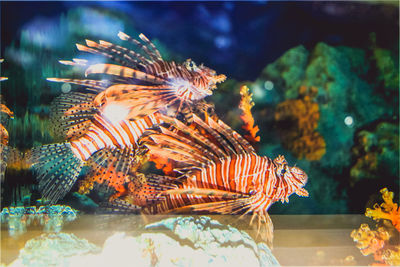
<point x="108" y="117"/>
<point x="220" y="172"/>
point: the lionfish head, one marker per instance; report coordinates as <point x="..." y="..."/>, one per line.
<point x="292" y="175"/>
<point x="206" y="79"/>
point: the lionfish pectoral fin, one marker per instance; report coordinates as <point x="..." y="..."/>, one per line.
<point x="119" y="206"/>
<point x="110" y="167"/>
<point x="57" y="169"/>
<point x="301" y="192"/>
<point x="205" y="192"/>
<point x="265" y="228"/>
<point x="71" y="114"/>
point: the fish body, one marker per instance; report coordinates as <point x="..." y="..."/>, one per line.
<point x="220" y="172"/>
<point x="112" y="114"/>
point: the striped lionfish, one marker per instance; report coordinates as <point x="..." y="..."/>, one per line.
<point x="108" y="117"/>
<point x="220" y="172"/>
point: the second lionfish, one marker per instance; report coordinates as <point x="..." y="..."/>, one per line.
<point x="104" y="121"/>
<point x="220" y="172"/>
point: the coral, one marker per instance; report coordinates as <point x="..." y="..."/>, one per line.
<point x="340" y="74"/>
<point x="387" y="210"/>
<point x="297" y="120"/>
<point x="246" y="103"/>
<point x="375" y="149"/>
<point x="382" y="242"/>
<point x="52" y="218"/>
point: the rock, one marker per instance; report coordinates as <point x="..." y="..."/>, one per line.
<point x="181" y="241"/>
<point x="55" y="249"/>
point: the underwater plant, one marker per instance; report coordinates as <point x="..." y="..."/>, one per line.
<point x="112" y="114"/>
<point x="383" y="242"/>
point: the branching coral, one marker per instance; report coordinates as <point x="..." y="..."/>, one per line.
<point x="379" y="242"/>
<point x="387" y="210"/>
<point x="297" y="120"/>
<point x="246" y="103"/>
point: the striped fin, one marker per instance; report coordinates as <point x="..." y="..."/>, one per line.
<point x="227" y="133"/>
<point x="131" y="91"/>
<point x="118" y="206"/>
<point x="152" y="55"/>
<point x="240" y="140"/>
<point x="110" y="53"/>
<point x="202" y="140"/>
<point x="94" y="84"/>
<point x="57" y="169"/>
<point x="151" y="45"/>
<point x="222" y="143"/>
<point x="74" y="62"/>
<point x="122" y="71"/>
<point x="122" y="51"/>
<point x="148" y="190"/>
<point x="204" y="192"/>
<point x="71" y="114"/>
<point x="223" y="207"/>
<point x="166" y="141"/>
<point x="172" y="154"/>
<point x="99" y="52"/>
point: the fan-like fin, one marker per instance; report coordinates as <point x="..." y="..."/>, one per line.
<point x="110" y="167"/>
<point x="71" y="114"/>
<point x="153" y="56"/>
<point x="118" y="206"/>
<point x="202" y="140"/>
<point x="222" y="143"/>
<point x="205" y="192"/>
<point x="98" y="86"/>
<point x="137" y="58"/>
<point x="122" y="71"/>
<point x="57" y="169"/>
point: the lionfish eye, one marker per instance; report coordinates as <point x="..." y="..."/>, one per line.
<point x="283" y="171"/>
<point x="190" y="65"/>
<point x="252" y="192"/>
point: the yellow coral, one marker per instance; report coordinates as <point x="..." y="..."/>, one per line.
<point x="387" y="210"/>
<point x="246" y="103"/>
<point x="298" y="120"/>
<point x="378" y="242"/>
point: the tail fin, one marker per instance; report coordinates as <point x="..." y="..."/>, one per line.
<point x="57" y="169"/>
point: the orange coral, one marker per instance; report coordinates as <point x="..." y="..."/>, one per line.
<point x="246" y="103"/>
<point x="387" y="210"/>
<point x="297" y="120"/>
<point x="378" y="242"/>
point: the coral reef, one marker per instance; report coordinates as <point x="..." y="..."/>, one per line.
<point x="297" y="120"/>
<point x="383" y="242"/>
<point x="375" y="152"/>
<point x="52" y="218"/>
<point x="339" y="73"/>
